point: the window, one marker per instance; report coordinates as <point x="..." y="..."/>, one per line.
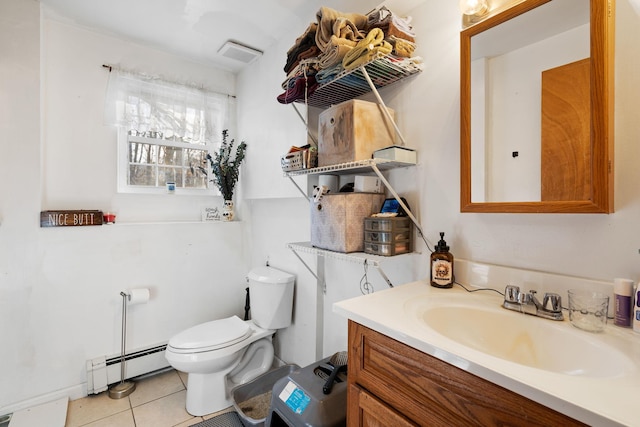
<point x="152" y="162"/>
<point x="165" y="132"/>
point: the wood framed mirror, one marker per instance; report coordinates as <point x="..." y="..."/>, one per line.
<point x="533" y="139"/>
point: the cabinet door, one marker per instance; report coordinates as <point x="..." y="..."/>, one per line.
<point x="433" y="393"/>
<point x="367" y="411"/>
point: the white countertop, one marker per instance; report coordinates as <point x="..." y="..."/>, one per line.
<point x="595" y="400"/>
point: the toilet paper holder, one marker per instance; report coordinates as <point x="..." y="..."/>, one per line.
<point x="125" y="388"/>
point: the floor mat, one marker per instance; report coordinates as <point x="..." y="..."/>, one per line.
<point x="228" y="419"/>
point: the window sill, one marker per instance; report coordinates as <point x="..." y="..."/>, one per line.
<point x="167" y="222"/>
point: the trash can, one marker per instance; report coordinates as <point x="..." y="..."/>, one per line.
<point x="298" y="400"/>
<point x="252" y="400"/>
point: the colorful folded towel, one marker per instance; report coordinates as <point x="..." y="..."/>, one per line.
<point x="301" y="88"/>
<point x="309" y="33"/>
<point x="334" y="55"/>
<point x="401" y="47"/>
<point x="391" y="24"/>
<point x="302" y="69"/>
<point x="325" y="75"/>
<point x="343" y="25"/>
<point x="366" y="50"/>
<point x="303" y="43"/>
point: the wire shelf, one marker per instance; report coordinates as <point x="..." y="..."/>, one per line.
<point x="384" y="71"/>
<point x="358" y="166"/>
<point x="355" y="257"/>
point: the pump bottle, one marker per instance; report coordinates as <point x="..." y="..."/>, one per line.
<point x="636" y="309"/>
<point x="623" y="302"/>
<point x="442" y="265"/>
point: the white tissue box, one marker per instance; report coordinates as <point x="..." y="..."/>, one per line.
<point x="397" y="154"/>
<point x="368" y="184"/>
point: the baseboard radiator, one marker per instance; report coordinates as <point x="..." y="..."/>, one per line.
<point x="105" y="370"/>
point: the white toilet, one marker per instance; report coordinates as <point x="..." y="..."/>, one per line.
<point x="224" y="353"/>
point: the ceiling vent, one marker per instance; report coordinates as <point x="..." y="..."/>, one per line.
<point x="239" y="52"/>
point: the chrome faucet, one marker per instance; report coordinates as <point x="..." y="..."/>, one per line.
<point x="551" y="307"/>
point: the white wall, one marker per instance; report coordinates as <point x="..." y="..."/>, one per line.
<point x="59" y="302"/>
<point x="79" y="150"/>
<point x="594" y="246"/>
<point x="514" y="104"/>
<point x="59" y="287"/>
<point x="20" y="251"/>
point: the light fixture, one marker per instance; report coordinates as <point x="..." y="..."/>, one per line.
<point x="474" y="7"/>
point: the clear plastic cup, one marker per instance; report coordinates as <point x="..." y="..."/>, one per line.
<point x="588" y="309"/>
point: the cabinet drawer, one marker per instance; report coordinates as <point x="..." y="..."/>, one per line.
<point x="373" y="413"/>
<point x="431" y="392"/>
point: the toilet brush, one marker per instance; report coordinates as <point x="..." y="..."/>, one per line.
<point x="123" y="388"/>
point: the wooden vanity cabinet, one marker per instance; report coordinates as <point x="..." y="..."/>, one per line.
<point x="392" y="384"/>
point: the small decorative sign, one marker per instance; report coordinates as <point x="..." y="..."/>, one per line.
<point x="211" y="214"/>
<point x="70" y="218"/>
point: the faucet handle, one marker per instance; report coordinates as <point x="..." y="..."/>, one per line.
<point x="526" y="297"/>
<point x="554" y="299"/>
<point x="512" y="293"/>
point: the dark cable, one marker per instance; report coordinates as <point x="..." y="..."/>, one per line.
<point x="478" y="289"/>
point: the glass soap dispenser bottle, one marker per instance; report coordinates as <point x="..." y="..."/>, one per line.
<point x="442" y="265"/>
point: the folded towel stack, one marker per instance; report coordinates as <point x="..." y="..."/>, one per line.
<point x="398" y="31"/>
<point x="345" y="26"/>
<point x="343" y="41"/>
<point x="366" y="50"/>
<point x="302" y="47"/>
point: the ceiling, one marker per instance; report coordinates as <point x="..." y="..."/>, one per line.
<point x="197" y="29"/>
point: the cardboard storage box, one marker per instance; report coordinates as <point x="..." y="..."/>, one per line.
<point x="337" y="221"/>
<point x="353" y="130"/>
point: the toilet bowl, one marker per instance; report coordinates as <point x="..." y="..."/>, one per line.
<point x="217" y="355"/>
<point x="224" y="353"/>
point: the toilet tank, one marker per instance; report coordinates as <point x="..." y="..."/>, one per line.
<point x="271" y="294"/>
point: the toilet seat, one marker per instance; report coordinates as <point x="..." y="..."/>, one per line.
<point x="211" y="336"/>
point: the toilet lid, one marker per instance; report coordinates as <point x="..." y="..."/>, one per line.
<point x="212" y="335"/>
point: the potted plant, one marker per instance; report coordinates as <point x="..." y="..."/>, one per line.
<point x="226" y="170"/>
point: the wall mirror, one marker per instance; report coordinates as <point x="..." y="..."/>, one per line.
<point x="536" y="100"/>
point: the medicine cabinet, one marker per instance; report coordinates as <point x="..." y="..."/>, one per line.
<point x="532" y="138"/>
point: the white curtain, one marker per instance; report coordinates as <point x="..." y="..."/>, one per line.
<point x="148" y="106"/>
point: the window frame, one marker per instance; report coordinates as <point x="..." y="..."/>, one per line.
<point x="191" y="117"/>
<point x="124" y="139"/>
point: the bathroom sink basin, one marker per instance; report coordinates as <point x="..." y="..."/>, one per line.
<point x="527" y="340"/>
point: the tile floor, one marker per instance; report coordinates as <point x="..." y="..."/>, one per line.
<point x="158" y="401"/>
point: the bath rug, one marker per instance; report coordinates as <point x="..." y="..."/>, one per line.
<point x="228" y="419"/>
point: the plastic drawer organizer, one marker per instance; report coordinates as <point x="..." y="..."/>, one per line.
<point x="387" y="236"/>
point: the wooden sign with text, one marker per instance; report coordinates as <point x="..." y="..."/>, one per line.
<point x="70" y="218"/>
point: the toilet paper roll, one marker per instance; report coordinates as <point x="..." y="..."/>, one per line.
<point x="330" y="181"/>
<point x="138" y="296"/>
